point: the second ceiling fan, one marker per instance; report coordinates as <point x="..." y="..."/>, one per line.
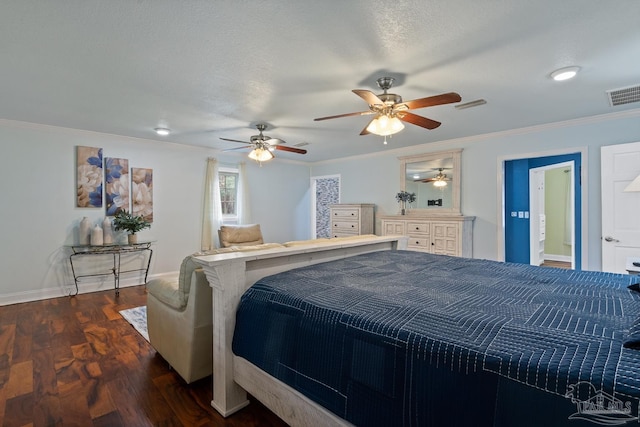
<point x="262" y="145"/>
<point x="390" y="111"/>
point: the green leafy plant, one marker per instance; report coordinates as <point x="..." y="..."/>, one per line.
<point x="129" y="222"/>
<point x="405" y="196"/>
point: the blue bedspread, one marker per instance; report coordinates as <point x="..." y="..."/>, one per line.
<point x="414" y="339"/>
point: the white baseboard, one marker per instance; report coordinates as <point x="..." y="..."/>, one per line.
<point x="84" y="287"/>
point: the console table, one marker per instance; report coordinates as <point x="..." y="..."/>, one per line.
<point x="114" y="249"/>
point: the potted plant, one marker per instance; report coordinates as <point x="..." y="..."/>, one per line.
<point x="403" y="197"/>
<point x="130" y="223"/>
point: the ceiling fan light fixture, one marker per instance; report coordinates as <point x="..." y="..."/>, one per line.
<point x="440" y="183"/>
<point x="260" y="155"/>
<point x="385" y="125"/>
<point x="162" y="131"/>
<point x="565" y="73"/>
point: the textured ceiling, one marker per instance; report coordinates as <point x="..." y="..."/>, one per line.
<point x="211" y="69"/>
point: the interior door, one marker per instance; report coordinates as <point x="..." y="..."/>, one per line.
<point x="620" y="164"/>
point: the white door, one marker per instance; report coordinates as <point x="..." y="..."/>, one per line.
<point x="537" y="217"/>
<point x="620" y="164"/>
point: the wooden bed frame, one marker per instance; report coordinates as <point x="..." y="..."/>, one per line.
<point x="230" y="275"/>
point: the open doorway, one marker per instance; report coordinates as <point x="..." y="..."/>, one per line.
<point x="552" y="225"/>
<point x="325" y="191"/>
<point x="517" y="236"/>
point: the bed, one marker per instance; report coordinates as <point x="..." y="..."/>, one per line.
<point x="387" y="337"/>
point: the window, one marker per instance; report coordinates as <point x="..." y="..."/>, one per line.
<point x="228" y="193"/>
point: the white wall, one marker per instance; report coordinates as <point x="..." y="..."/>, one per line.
<point x="376" y="178"/>
<point x="38" y="214"/>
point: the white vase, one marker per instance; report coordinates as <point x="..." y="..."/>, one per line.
<point x="96" y="236"/>
<point x="107" y="232"/>
<point x="84" y="231"/>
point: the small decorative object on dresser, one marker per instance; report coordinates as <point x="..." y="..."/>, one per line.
<point x="403" y="197"/>
<point x="351" y="219"/>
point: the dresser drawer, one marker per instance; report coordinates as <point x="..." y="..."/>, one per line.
<point x="345" y="213"/>
<point x="348" y="226"/>
<point x="418" y="242"/>
<point x="337" y="233"/>
<point x="417" y="228"/>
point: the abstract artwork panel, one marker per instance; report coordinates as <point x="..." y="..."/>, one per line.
<point x="88" y="177"/>
<point x="142" y="192"/>
<point x="116" y="173"/>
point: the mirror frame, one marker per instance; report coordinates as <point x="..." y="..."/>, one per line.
<point x="455" y="155"/>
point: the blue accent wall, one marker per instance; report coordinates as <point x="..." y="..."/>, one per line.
<point x="517" y="200"/>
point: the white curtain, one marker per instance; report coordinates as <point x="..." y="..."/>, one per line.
<point x="244" y="211"/>
<point x="212" y="217"/>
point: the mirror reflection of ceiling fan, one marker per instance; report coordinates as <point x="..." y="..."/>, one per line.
<point x="390" y="111"/>
<point x="263" y="146"/>
<point x="440" y="180"/>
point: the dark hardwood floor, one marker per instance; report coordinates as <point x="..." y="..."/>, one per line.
<point x="557" y="264"/>
<point x="74" y="361"/>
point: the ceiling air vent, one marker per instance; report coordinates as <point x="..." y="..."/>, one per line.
<point x="301" y="144"/>
<point x="625" y="95"/>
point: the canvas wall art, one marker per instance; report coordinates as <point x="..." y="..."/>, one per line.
<point x="142" y="192"/>
<point x="116" y="173"/>
<point x="88" y="177"/>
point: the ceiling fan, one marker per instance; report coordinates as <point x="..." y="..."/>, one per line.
<point x="263" y="145"/>
<point x="440" y="180"/>
<point x="390" y="111"/>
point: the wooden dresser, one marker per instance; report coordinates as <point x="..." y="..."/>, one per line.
<point x="443" y="234"/>
<point x="351" y="219"/>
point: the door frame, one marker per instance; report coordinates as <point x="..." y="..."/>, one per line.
<point x="584" y="191"/>
<point x="532" y="197"/>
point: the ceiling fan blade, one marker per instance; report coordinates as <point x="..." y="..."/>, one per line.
<point x="370" y="97"/>
<point x="291" y="149"/>
<point x="445" y="98"/>
<point x="361" y="113"/>
<point x="418" y="120"/>
<point x="236" y="149"/>
<point x="235" y="140"/>
<point x="275" y="141"/>
<point x="364" y="130"/>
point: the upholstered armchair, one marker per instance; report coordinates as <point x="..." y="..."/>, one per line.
<point x="179" y="320"/>
<point x="240" y="235"/>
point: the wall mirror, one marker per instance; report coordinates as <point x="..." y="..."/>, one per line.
<point x="435" y="179"/>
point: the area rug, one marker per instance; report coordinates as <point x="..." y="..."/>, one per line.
<point x="137" y="316"/>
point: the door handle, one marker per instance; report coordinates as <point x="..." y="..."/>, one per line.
<point x="610" y="239"/>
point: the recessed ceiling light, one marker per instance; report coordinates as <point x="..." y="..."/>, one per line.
<point x="565" y="73"/>
<point x="162" y="131"/>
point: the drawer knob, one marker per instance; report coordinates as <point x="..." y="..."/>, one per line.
<point x="352" y="214"/>
<point x="417" y="228"/>
<point x="352" y="225"/>
<point x="417" y="243"/>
